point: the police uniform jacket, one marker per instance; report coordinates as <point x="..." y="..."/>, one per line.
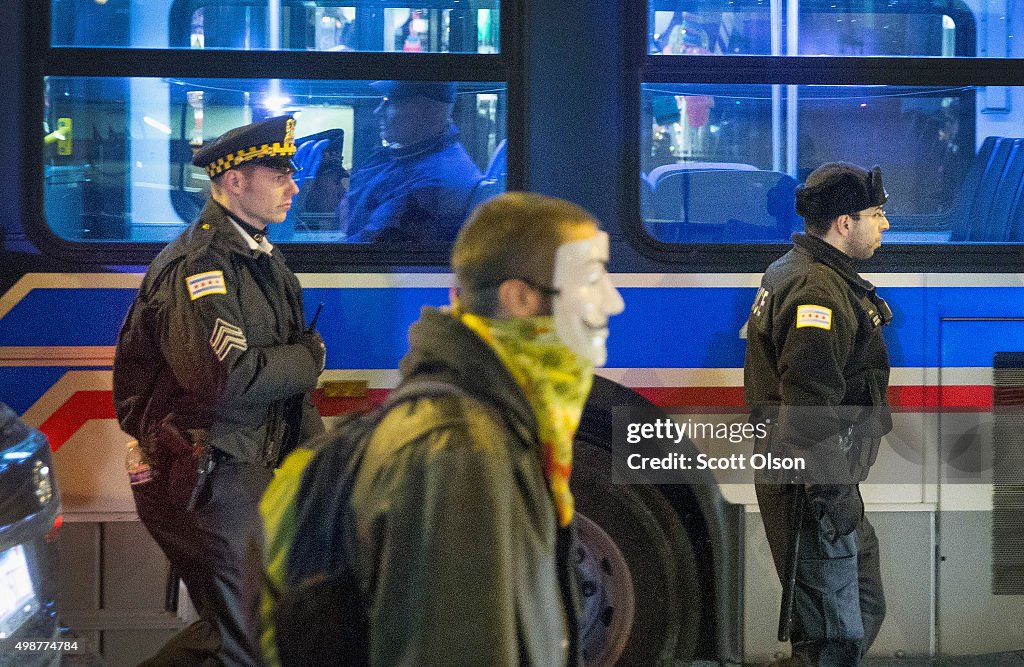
<point x="814" y="343"/>
<point x="207" y="347"/>
<point x="459" y="551"/>
<point x="414" y="194"/>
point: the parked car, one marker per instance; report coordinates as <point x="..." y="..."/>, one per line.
<point x="30" y="518"/>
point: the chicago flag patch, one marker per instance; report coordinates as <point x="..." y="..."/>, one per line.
<point x="813" y="316"/>
<point x="205" y="284"/>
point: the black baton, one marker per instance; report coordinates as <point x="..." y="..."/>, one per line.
<point x="796" y="513"/>
<point x="316" y="316"/>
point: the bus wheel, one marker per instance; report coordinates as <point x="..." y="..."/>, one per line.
<point x="641" y="597"/>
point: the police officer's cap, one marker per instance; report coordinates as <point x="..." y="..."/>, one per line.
<point x="270" y="143"/>
<point x="839" y="188"/>
<point x="441" y="91"/>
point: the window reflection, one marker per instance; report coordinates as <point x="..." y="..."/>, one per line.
<point x="720" y="164"/>
<point x="121" y="170"/>
<point x="823" y="27"/>
<point x="456" y="26"/>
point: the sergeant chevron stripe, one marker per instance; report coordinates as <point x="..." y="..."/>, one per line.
<point x="225" y="337"/>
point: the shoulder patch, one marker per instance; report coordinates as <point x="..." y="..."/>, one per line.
<point x="810" y="315"/>
<point x="227" y="337"/>
<point x="205" y="284"/>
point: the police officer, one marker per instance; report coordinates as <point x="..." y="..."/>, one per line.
<point x="417" y="187"/>
<point x="816" y="370"/>
<point x="212" y="374"/>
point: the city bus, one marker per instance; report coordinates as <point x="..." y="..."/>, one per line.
<point x="685" y="127"/>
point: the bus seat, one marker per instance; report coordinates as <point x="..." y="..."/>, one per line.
<point x="492" y="183"/>
<point x="1016" y="217"/>
<point x="984" y="196"/>
<point x="646" y="198"/>
<point x="962" y="215"/>
<point x="301" y="152"/>
<point x="313" y="158"/>
<point x="724" y="206"/>
<point x="485" y="188"/>
<point x="497" y="168"/>
<point x="996" y="226"/>
<point x="660" y="172"/>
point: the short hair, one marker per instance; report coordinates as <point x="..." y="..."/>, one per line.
<point x="514" y="235"/>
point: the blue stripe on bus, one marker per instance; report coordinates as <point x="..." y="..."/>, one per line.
<point x="696" y="327"/>
<point x="67" y="316"/>
<point x="21" y="386"/>
<point x="368" y="327"/>
<point x="982" y="339"/>
<point x="699" y="327"/>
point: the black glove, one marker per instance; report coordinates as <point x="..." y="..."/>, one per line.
<point x="314" y="342"/>
<point x="840" y="504"/>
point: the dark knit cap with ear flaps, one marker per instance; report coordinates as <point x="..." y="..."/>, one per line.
<point x="839" y="188"/>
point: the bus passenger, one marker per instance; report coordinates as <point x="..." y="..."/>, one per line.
<point x="417" y="187"/>
<point x="212" y="376"/>
<point x="817" y="366"/>
<point x="462" y="504"/>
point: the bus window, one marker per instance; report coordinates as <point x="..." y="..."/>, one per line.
<point x="445" y="26"/>
<point x="721" y="163"/>
<point x="117" y="161"/>
<point x="823" y="27"/>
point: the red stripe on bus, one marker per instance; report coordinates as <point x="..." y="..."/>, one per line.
<point x="904" y="398"/>
<point x="81" y="407"/>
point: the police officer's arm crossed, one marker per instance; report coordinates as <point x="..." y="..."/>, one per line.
<point x="215" y="356"/>
<point x="206" y="344"/>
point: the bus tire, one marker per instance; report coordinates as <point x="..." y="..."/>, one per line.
<point x="641" y="596"/>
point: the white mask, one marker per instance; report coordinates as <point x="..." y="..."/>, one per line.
<point x="585" y="298"/>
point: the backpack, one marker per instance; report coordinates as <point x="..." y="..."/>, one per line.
<point x="318" y="614"/>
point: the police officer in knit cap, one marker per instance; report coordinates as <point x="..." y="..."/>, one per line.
<point x="212" y="375"/>
<point x="816" y="371"/>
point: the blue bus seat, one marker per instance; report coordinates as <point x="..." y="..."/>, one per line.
<point x="646" y="197"/>
<point x="724" y="206"/>
<point x="309" y="153"/>
<point x="313" y="158"/>
<point x="660" y="172"/>
<point x="301" y="152"/>
<point x="996" y="226"/>
<point x="493" y="182"/>
<point x="982" y="177"/>
<point x="485" y="188"/>
<point x="1016" y="218"/>
<point x="984" y="196"/>
<point x="497" y="168"/>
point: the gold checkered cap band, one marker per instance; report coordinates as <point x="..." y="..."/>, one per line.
<point x="233" y="160"/>
<point x="270" y="141"/>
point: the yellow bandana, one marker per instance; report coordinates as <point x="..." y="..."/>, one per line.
<point x="556" y="382"/>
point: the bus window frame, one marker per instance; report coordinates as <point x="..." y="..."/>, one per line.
<point x="957" y="12"/>
<point x="45" y="60"/>
<point x="801" y="70"/>
<point x="183" y="10"/>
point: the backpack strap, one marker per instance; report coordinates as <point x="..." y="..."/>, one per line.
<point x="412" y="390"/>
<point x="326" y="486"/>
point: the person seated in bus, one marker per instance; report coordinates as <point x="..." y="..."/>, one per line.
<point x="212" y="374"/>
<point x="462" y="504"/>
<point x="817" y="370"/>
<point x="416" y="187"/>
<point x="323" y="188"/>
